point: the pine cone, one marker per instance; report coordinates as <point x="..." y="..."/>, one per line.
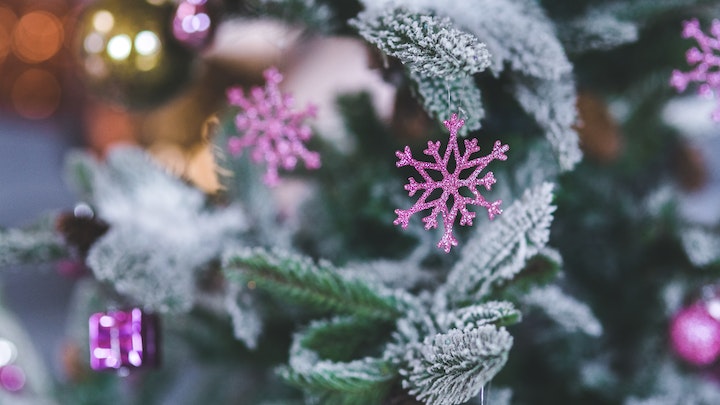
<point x="80" y="232"/>
<point x="600" y="136"/>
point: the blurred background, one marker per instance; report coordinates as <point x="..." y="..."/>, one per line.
<point x="48" y="71"/>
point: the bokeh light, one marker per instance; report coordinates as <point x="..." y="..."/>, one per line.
<point x="36" y="94"/>
<point x="119" y="47"/>
<point x="147" y="43"/>
<point x="8" y="352"/>
<point x="37" y="36"/>
<point x="7" y="23"/>
<point x="103" y="21"/>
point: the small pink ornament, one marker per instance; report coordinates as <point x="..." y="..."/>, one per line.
<point x="268" y="124"/>
<point x="122" y="340"/>
<point x="451" y="183"/>
<point x="706" y="62"/>
<point x="194" y="23"/>
<point x="695" y="335"/>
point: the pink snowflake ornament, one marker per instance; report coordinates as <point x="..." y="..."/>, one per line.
<point x="706" y="62"/>
<point x="268" y="124"/>
<point x="451" y="183"/>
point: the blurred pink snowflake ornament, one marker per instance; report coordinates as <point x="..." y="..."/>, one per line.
<point x="268" y="124"/>
<point x="706" y="62"/>
<point x="450" y="184"/>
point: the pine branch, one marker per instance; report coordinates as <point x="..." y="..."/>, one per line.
<point x="151" y="274"/>
<point x="359" y="382"/>
<point x="497" y="313"/>
<point x="79" y="169"/>
<point x="155" y="245"/>
<point x="499" y="253"/>
<point x="427" y="44"/>
<point x="247" y="322"/>
<point x="552" y="104"/>
<point x="596" y="30"/>
<point x="451" y="368"/>
<point x="571" y="314"/>
<point x="444" y="96"/>
<point x="36" y="245"/>
<point x="516" y="32"/>
<point x="321" y="285"/>
<point x="340" y="338"/>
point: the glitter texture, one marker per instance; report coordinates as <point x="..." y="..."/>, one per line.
<point x="706" y="62"/>
<point x="695" y="335"/>
<point x="123" y="339"/>
<point x="267" y="123"/>
<point x="451" y="184"/>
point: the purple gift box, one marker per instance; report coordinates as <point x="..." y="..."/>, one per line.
<point x="123" y="340"/>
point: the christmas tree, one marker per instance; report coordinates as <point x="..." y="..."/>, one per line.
<point x="544" y="146"/>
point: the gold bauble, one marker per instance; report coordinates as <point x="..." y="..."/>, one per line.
<point x="127" y="52"/>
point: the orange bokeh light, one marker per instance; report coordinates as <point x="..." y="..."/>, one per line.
<point x="37" y="37"/>
<point x="36" y="94"/>
<point x="7" y="22"/>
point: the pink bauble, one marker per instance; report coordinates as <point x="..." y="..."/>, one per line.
<point x="695" y="335"/>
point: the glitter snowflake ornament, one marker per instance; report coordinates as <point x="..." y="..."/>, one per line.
<point x="706" y="62"/>
<point x="452" y="185"/>
<point x="268" y="124"/>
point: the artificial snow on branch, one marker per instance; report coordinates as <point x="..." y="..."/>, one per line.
<point x="150" y="274"/>
<point x="596" y="30"/>
<point x="515" y="31"/>
<point x="552" y="104"/>
<point x="519" y="34"/>
<point x="498" y="313"/>
<point x="246" y="321"/>
<point x="35" y="245"/>
<point x="358" y="382"/>
<point x="498" y="252"/>
<point x="568" y="312"/>
<point x="320" y="284"/>
<point x="442" y="97"/>
<point x="451" y="368"/>
<point x="155" y="245"/>
<point x="427" y="44"/>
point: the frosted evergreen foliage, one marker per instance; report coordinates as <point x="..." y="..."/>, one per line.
<point x="597" y="30"/>
<point x="319" y="284"/>
<point x="552" y="104"/>
<point x="701" y="246"/>
<point x="672" y="387"/>
<point x="515" y="31"/>
<point x="247" y="323"/>
<point x="363" y="381"/>
<point x="497" y="313"/>
<point x="496" y="253"/>
<point x="451" y="368"/>
<point x="519" y="34"/>
<point x="427" y="44"/>
<point x="160" y="233"/>
<point x="442" y="97"/>
<point x="36" y="245"/>
<point x="403" y="274"/>
<point x="568" y="312"/>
